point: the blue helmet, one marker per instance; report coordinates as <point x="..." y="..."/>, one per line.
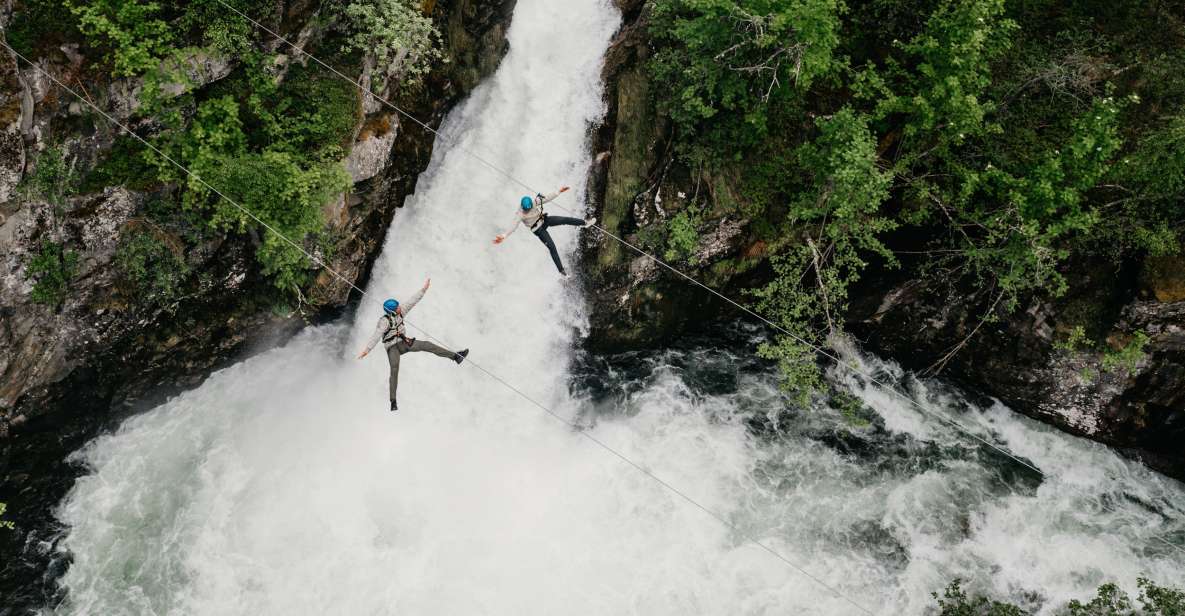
<point x="527" y="203"/>
<point x="390" y="305"/>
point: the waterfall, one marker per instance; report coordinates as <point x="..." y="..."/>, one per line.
<point x="284" y="486"/>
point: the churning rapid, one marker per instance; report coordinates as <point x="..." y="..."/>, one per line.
<point x="283" y="485"/>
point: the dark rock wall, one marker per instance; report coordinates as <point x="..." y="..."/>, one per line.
<point x="71" y="372"/>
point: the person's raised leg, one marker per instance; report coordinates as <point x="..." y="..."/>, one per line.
<point x="556" y="221"/>
<point x="439" y="351"/>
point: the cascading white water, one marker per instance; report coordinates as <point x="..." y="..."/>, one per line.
<point x="283" y="486"/>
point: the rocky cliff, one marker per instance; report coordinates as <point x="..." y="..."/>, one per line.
<point x="1128" y="392"/>
<point x="114" y="343"/>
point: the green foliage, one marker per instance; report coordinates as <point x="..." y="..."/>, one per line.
<point x="1153" y="204"/>
<point x="52" y="178"/>
<point x="1076" y="340"/>
<point x="955" y="602"/>
<point x="38" y="25"/>
<point x="131" y="30"/>
<point x="797" y="309"/>
<point x="941" y="97"/>
<point x="126" y="164"/>
<point x="398" y="33"/>
<point x="5" y="523"/>
<point x="1128" y="358"/>
<point x="135" y="36"/>
<point x="1125" y="360"/>
<point x="153" y="262"/>
<point x="209" y="24"/>
<point x="314" y="113"/>
<point x="1019" y="222"/>
<point x="839" y="205"/>
<point x="282" y="185"/>
<point x="683" y="234"/>
<point x="722" y="64"/>
<point x="1109" y="600"/>
<point x="1015" y="136"/>
<point x="285" y="196"/>
<point x="51" y="271"/>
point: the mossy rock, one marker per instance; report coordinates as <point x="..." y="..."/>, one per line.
<point x="1163" y="278"/>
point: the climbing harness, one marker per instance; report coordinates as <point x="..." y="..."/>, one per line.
<point x="396" y="331"/>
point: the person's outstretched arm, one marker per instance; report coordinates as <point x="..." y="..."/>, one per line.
<point x="552" y="196"/>
<point x="501" y="237"/>
<point x="379" y="332"/>
<point x="415" y="299"/>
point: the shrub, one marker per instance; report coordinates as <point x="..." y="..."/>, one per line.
<point x="683" y="234"/>
<point x="51" y="269"/>
<point x="152" y="262"/>
<point x="284" y="195"/>
<point x="52" y="178"/>
<point x="131" y="30"/>
<point x="5" y="523"/>
<point x="723" y="64"/>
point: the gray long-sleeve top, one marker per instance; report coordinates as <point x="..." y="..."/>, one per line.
<point x="529" y="218"/>
<point x="387" y="322"/>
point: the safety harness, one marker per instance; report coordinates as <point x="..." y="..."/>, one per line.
<point x="542" y="215"/>
<point x="395" y="330"/>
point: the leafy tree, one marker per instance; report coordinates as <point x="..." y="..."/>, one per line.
<point x="285" y="196"/>
<point x="838" y="209"/>
<point x="132" y="30"/>
<point x="5" y="523"/>
<point x="402" y="38"/>
<point x="725" y="63"/>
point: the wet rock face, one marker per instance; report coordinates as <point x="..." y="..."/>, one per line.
<point x="71" y="370"/>
<point x="1022" y="357"/>
<point x="632" y="185"/>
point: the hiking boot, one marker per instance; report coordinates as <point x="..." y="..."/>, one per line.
<point x="461" y="355"/>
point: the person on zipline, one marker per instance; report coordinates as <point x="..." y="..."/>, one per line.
<point x="394" y="336"/>
<point x="532" y="216"/>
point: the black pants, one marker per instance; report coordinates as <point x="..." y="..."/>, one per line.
<point x="399" y="348"/>
<point x="545" y="237"/>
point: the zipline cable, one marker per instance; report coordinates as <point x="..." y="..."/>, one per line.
<point x="817" y="348"/>
<point x="723" y="520"/>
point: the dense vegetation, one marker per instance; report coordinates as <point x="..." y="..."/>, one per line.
<point x="1004" y="140"/>
<point x="1109" y="600"/>
<point x="270" y="136"/>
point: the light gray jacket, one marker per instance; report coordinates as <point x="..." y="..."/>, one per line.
<point x="393" y="321"/>
<point x="530" y="218"/>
